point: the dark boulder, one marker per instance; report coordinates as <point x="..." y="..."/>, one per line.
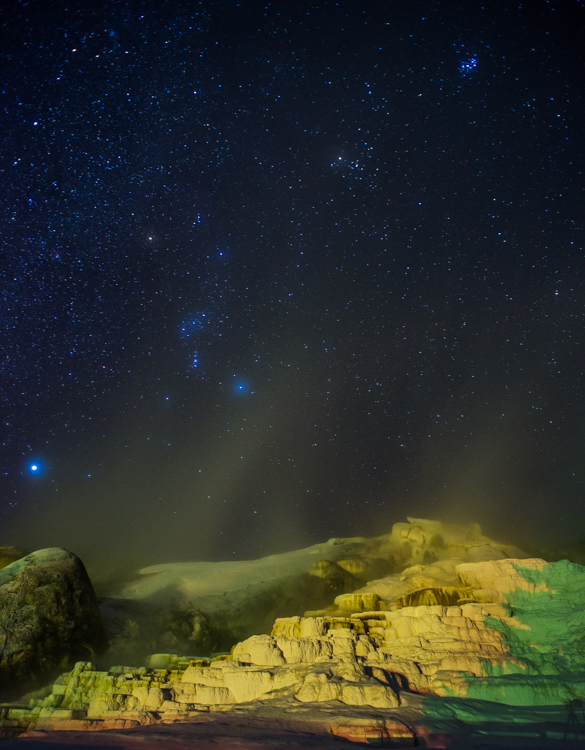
<point x="49" y="619"/>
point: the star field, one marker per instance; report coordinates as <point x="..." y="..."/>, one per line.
<point x="278" y="272"/>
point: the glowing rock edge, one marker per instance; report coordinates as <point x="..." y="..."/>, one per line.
<point x="501" y="653"/>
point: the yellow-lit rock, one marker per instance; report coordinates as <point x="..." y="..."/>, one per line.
<point x="248" y="684"/>
<point x="304" y="650"/>
<point x="379" y="696"/>
<point x="357" y="602"/>
<point x="522" y="649"/>
<point x="259" y="649"/>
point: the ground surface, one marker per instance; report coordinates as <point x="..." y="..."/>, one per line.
<point x="227" y="732"/>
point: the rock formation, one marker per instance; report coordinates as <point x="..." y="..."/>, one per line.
<point x="201" y="608"/>
<point x="454" y="645"/>
<point x="49" y="618"/>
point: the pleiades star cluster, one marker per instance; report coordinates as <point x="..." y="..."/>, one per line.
<point x="275" y="272"/>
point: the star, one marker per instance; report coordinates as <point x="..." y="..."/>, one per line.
<point x="35" y="468"/>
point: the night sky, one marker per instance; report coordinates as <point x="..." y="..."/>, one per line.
<point x="274" y="272"/>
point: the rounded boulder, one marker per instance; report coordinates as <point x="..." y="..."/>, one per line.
<point x="49" y="619"/>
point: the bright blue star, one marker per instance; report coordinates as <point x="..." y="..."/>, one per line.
<point x="34" y="468"/>
<point x="240" y="387"/>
